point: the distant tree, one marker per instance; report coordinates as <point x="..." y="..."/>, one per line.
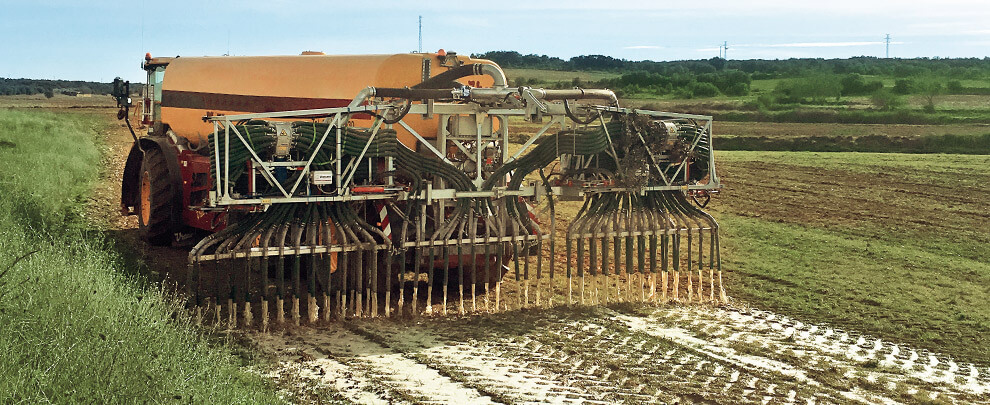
<point x="733" y="82"/>
<point x="717" y="63"/>
<point x="49" y="93"/>
<point x="929" y="87"/>
<point x="854" y="84"/>
<point x="703" y="89"/>
<point x="737" y="89"/>
<point x="596" y="62"/>
<point x="885" y="100"/>
<point x="903" y="86"/>
<point x="817" y="87"/>
<point x="681" y="79"/>
<point x="954" y="87"/>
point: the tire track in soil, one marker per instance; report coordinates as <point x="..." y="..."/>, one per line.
<point x="864" y="366"/>
<point x="630" y="354"/>
<point x="359" y="370"/>
<point x="603" y="358"/>
<point x="514" y="370"/>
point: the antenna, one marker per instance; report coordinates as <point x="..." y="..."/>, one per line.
<point x="887" y="40"/>
<point x="420" y="34"/>
<point x="142" y="27"/>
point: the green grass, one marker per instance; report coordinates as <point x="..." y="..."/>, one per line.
<point x="764" y="85"/>
<point x="887" y="244"/>
<point x="77" y="325"/>
<point x="896" y="291"/>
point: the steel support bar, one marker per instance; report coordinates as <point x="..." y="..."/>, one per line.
<point x="424" y="141"/>
<point x="623" y="234"/>
<point x="477" y="241"/>
<point x="274" y="252"/>
<point x="299" y="113"/>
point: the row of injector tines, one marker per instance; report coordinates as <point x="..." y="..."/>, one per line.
<point x="311" y="263"/>
<point x="629" y="231"/>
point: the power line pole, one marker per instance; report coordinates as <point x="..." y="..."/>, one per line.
<point x="420" y="34"/>
<point x="887" y="40"/>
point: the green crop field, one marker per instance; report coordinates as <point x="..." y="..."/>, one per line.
<point x="79" y="325"/>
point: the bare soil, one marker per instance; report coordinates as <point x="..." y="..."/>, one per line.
<point x="790" y="130"/>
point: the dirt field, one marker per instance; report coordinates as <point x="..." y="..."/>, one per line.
<point x="786" y="130"/>
<point x="635" y="353"/>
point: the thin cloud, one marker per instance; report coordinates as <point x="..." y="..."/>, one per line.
<point x="824" y="44"/>
<point x="805" y="45"/>
<point x="641" y="47"/>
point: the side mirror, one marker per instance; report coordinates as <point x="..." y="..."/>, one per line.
<point x="121" y="93"/>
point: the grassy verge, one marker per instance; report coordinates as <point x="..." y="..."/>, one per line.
<point x="76" y="327"/>
<point x="891" y="245"/>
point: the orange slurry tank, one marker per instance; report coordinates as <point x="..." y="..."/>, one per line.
<point x="193" y="87"/>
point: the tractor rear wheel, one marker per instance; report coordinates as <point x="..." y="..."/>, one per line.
<point x="156" y="196"/>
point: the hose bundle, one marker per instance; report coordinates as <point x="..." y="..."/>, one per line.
<point x="261" y="136"/>
<point x="257" y="133"/>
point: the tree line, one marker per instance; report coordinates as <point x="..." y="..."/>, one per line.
<point x="957" y="68"/>
<point x="807" y="80"/>
<point x="9" y="87"/>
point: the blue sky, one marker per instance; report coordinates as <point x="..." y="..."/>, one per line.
<point x="98" y="40"/>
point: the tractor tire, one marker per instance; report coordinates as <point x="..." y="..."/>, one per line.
<point x="155" y="199"/>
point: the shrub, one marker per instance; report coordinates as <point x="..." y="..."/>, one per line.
<point x="737" y="89"/>
<point x="854" y="85"/>
<point x="929" y="89"/>
<point x="903" y="86"/>
<point x="817" y="87"/>
<point x="954" y="87"/>
<point x="766" y="102"/>
<point x="703" y="89"/>
<point x="683" y="92"/>
<point x="885" y="100"/>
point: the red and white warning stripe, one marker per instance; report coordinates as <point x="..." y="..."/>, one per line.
<point x="529" y="210"/>
<point x="383" y="221"/>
